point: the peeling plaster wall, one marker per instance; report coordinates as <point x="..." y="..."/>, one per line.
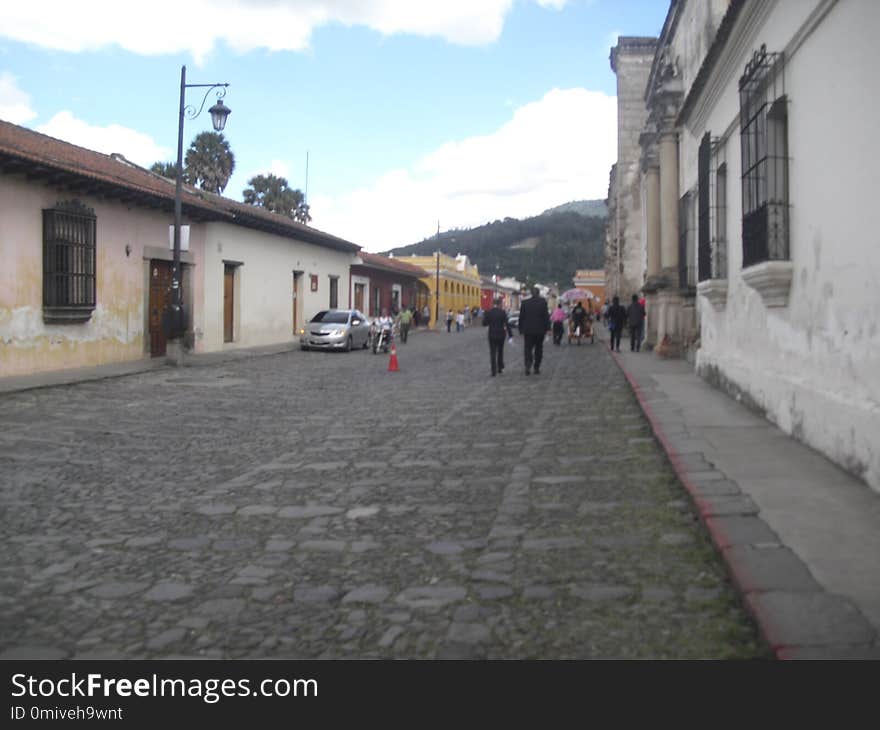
<point x="812" y="367"/>
<point x="264" y="285"/>
<point x="115" y="332"/>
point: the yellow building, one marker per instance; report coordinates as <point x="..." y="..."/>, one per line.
<point x="458" y="280"/>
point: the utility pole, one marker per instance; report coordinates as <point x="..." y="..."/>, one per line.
<point x="437" y="281"/>
<point x="306" y="193"/>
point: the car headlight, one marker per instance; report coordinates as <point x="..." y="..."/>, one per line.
<point x="302" y="330"/>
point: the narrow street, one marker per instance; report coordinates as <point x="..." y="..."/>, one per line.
<point x="314" y="505"/>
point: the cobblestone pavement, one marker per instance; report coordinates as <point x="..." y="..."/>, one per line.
<point x="314" y="505"/>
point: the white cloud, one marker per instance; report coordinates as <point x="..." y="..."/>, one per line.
<point x="244" y="24"/>
<point x="135" y="146"/>
<point x="551" y="151"/>
<point x="15" y="104"/>
<point x="555" y="4"/>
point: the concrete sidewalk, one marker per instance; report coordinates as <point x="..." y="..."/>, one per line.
<point x="49" y="379"/>
<point x="801" y="537"/>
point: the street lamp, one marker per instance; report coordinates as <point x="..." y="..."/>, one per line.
<point x="175" y="322"/>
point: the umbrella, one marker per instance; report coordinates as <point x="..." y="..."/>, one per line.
<point x="575" y="295"/>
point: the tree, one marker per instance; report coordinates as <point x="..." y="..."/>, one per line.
<point x="209" y="162"/>
<point x="274" y="193"/>
<point x="165" y="169"/>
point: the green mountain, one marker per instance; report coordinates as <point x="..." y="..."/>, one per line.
<point x="546" y="249"/>
<point x="589" y="208"/>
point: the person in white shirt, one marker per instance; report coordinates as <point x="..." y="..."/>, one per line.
<point x="384" y="320"/>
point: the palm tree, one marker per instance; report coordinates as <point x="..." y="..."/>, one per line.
<point x="209" y="162"/>
<point x="274" y="193"/>
<point x="301" y="214"/>
<point x="165" y="169"/>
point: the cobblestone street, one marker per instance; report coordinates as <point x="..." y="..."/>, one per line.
<point x="314" y="505"/>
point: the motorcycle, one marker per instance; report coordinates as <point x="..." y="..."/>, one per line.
<point x="381" y="337"/>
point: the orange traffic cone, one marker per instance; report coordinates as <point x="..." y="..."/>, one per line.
<point x="392" y="363"/>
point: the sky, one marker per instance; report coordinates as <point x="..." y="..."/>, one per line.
<point x="393" y="116"/>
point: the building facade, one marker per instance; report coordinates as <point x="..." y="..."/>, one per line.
<point x="592" y="280"/>
<point x="631" y="62"/>
<point x="757" y="150"/>
<point x="382" y="282"/>
<point x="451" y="283"/>
<point x="87" y="262"/>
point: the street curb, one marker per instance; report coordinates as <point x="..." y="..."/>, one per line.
<point x="797" y="617"/>
<point x="59" y="378"/>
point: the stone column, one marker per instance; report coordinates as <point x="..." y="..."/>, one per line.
<point x="669" y="205"/>
<point x="652" y="218"/>
<point x="651" y="181"/>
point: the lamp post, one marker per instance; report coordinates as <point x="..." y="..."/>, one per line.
<point x="175" y="322"/>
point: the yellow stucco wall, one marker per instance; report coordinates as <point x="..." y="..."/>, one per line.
<point x="458" y="289"/>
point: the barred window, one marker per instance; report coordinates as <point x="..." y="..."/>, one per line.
<point x="764" y="141"/>
<point x="712" y="227"/>
<point x="704" y="227"/>
<point x="719" y="237"/>
<point x="687" y="241"/>
<point x="69" y="238"/>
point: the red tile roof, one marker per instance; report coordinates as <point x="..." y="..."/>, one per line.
<point x="390" y="264"/>
<point x="89" y="172"/>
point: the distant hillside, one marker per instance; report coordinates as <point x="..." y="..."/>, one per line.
<point x="547" y="248"/>
<point x="589" y="208"/>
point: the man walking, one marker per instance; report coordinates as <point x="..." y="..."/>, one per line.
<point x="405" y="319"/>
<point x="499" y="328"/>
<point x="616" y="321"/>
<point x="635" y="316"/>
<point x="534" y="321"/>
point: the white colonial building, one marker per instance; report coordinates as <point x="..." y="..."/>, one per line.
<point x="86" y="275"/>
<point x="759" y="177"/>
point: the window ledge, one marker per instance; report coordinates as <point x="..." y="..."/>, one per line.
<point x="67" y="315"/>
<point x="772" y="280"/>
<point x="715" y="290"/>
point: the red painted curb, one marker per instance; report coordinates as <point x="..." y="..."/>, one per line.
<point x="737" y="575"/>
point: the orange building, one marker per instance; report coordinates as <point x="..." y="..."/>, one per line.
<point x="593" y="280"/>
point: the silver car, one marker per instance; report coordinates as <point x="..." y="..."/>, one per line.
<point x="335" y="329"/>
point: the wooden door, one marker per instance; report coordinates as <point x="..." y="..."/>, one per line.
<point x="160" y="300"/>
<point x="359" y="297"/>
<point x="228" y="301"/>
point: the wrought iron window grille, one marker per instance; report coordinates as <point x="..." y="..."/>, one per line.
<point x="704" y="209"/>
<point x="712" y="209"/>
<point x="69" y="263"/>
<point x="764" y="145"/>
<point x="687" y="243"/>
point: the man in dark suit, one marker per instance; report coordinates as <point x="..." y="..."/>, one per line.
<point x="499" y="328"/>
<point x="534" y="321"/>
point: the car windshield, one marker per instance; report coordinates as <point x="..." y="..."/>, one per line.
<point x="331" y="316"/>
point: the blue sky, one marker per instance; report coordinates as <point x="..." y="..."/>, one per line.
<point x="411" y="111"/>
